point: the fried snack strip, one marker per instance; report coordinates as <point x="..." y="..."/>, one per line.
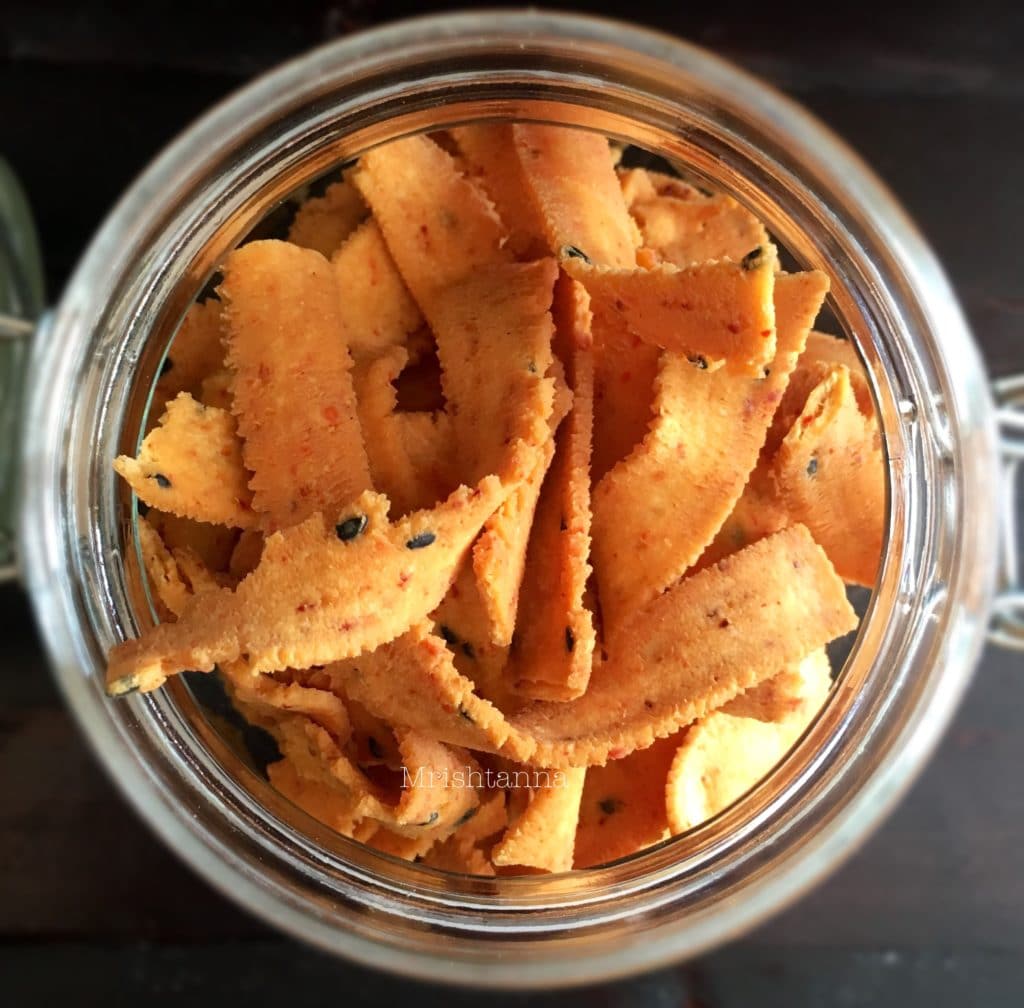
<point x="195" y="353"/>
<point x="555" y="641"/>
<point x="782" y="695"/>
<point x="165" y="576"/>
<point x="438" y="225"/>
<point x="191" y="466"/>
<point x="623" y="805"/>
<point x="719" y="312"/>
<point x="292" y="384"/>
<point x="690" y="228"/>
<point x="212" y="544"/>
<point x="543" y="834"/>
<point x="830" y="475"/>
<point x="321" y="592"/>
<point x="465" y="851"/>
<point x="723" y="756"/>
<point x="377" y="311"/>
<point x="655" y="512"/>
<point x="707" y="639"/>
<point x="324" y="222"/>
<point x="490" y="151"/>
<point x="574" y="183"/>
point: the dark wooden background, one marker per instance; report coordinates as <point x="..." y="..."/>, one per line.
<point x="930" y="913"/>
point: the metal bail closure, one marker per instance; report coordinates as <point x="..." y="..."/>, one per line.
<point x="1007" y="628"/>
<point x="21" y="301"/>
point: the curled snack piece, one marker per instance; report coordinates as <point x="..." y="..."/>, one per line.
<point x="688" y="228"/>
<point x="377" y="311"/>
<point x="831" y="476"/>
<point x="324" y="222"/>
<point x="784" y="694"/>
<point x="705" y="640"/>
<point x="191" y="466"/>
<point x="717" y="312"/>
<point x="655" y="512"/>
<point x="573" y="181"/>
<point x="165" y="576"/>
<point x="724" y="756"/>
<point x="555" y="640"/>
<point x="307" y="601"/>
<point x="543" y="834"/>
<point x="623" y="805"/>
<point x="490" y="151"/>
<point x="292" y="384"/>
<point x="212" y="544"/>
<point x="195" y="354"/>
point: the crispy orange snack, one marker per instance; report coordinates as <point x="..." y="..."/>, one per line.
<point x="831" y="476"/>
<point x="322" y="592"/>
<point x="623" y="805"/>
<point x="292" y="386"/>
<point x="694" y="228"/>
<point x="195" y="353"/>
<point x="245" y="557"/>
<point x="723" y="756"/>
<point x="555" y="641"/>
<point x="574" y="182"/>
<point x="324" y="222"/>
<point x="438" y="225"/>
<point x="657" y="510"/>
<point x="784" y="694"/>
<point x="707" y="639"/>
<point x="544" y="833"/>
<point x="718" y="312"/>
<point x="165" y="576"/>
<point x="490" y="151"/>
<point x="377" y="311"/>
<point x="212" y="544"/>
<point x="191" y="466"/>
<point x="215" y="389"/>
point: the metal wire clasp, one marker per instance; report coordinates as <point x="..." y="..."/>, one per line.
<point x="1007" y="629"/>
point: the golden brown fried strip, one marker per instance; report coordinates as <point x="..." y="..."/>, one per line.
<point x="575" y="185"/>
<point x="292" y="385"/>
<point x="377" y="311"/>
<point x="707" y="639"/>
<point x="489" y="149"/>
<point x="723" y="756"/>
<point x="321" y="592"/>
<point x="212" y="544"/>
<point x="623" y="805"/>
<point x="191" y="466"/>
<point x="555" y="639"/>
<point x="544" y="833"/>
<point x="719" y="312"/>
<point x="172" y="593"/>
<point x="784" y="694"/>
<point x="195" y="354"/>
<point x="830" y="475"/>
<point x="657" y="510"/>
<point x="324" y="222"/>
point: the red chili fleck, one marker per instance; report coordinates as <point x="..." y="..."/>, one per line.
<point x="263" y="372"/>
<point x="733" y="328"/>
<point x="617" y="753"/>
<point x="347" y="625"/>
<point x="330" y="414"/>
<point x="403" y="579"/>
<point x="766" y="333"/>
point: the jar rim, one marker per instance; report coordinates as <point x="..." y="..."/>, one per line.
<point x="48" y="496"/>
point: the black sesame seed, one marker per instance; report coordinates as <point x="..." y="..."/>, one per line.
<point x="767" y="371"/>
<point x="446" y="633"/>
<point x="563" y="525"/>
<point x="434" y="816"/>
<point x="699" y="362"/>
<point x="468" y="650"/>
<point x="374" y="746"/>
<point x="570" y="639"/>
<point x="352" y="527"/>
<point x="531" y="367"/>
<point x="752" y="259"/>
<point x="166" y="366"/>
<point x="704" y="192"/>
<point x="143" y="508"/>
<point x="161" y="481"/>
<point x="575" y="253"/>
<point x="467" y="815"/>
<point x="609" y="806"/>
<point x="421" y="540"/>
<point x="812" y="466"/>
<point x="465" y="715"/>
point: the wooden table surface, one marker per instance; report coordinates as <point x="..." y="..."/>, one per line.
<point x="930" y="912"/>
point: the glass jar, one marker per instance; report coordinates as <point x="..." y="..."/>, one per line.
<point x="93" y="362"/>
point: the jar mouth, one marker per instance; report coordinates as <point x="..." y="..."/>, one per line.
<point x="914" y="653"/>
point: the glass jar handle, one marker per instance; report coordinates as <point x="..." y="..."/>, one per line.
<point x="21" y="301"/>
<point x="1007" y="628"/>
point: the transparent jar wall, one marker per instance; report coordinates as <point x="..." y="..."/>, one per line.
<point x="914" y="653"/>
